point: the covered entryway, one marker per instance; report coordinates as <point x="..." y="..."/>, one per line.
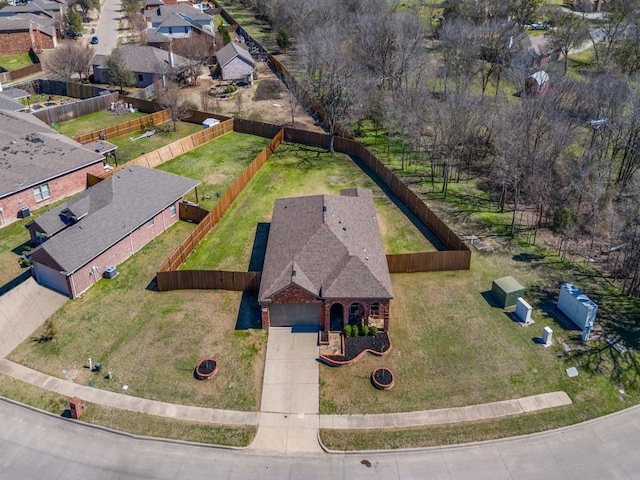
<point x="336" y="315"/>
<point x="294" y="315"/>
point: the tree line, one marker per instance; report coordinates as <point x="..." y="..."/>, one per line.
<point x="446" y="86"/>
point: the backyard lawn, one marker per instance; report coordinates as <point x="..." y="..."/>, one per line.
<point x="152" y="341"/>
<point x="129" y="149"/>
<point x="94" y="121"/>
<point x="217" y="164"/>
<point x="15" y="62"/>
<point x="295" y="170"/>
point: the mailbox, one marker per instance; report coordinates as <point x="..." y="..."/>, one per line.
<point x="75" y="405"/>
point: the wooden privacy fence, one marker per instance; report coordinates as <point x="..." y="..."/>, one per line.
<point x="166" y="153"/>
<point x="167" y="282"/>
<point x="70" y="111"/>
<point x="208" y="280"/>
<point x="429" y="261"/>
<point x="191" y="213"/>
<point x="6" y="77"/>
<point x="67" y="89"/>
<point x="124" y="128"/>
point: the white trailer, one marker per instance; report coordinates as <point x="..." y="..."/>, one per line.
<point x="577" y="306"/>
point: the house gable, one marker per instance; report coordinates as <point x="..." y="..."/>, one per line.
<point x="294" y="293"/>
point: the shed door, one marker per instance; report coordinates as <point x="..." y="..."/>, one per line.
<point x="50" y="278"/>
<point x="295" y="314"/>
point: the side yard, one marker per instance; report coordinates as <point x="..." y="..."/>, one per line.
<point x="151" y="342"/>
<point x="94" y="121"/>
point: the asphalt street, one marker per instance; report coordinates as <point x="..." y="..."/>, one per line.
<point x="37" y="445"/>
<point x="107" y="29"/>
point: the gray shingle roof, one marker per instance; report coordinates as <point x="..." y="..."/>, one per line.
<point x="36" y="6"/>
<point x="8" y="103"/>
<point x="115" y="207"/>
<point x="145" y="59"/>
<point x="231" y="51"/>
<point x="160" y="14"/>
<point x="31" y="153"/>
<point x="328" y="245"/>
<point x="15" y="93"/>
<point x="154" y="36"/>
<point x="23" y="21"/>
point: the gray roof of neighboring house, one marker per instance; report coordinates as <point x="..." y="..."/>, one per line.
<point x="153" y="36"/>
<point x="175" y="20"/>
<point x="36" y="6"/>
<point x="151" y="3"/>
<point x="8" y="103"/>
<point x="31" y="153"/>
<point x="15" y="93"/>
<point x="145" y="59"/>
<point x="107" y="212"/>
<point x="329" y="245"/>
<point x="231" y="51"/>
<point x="163" y="12"/>
<point x="23" y="21"/>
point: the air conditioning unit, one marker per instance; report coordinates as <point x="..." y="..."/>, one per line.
<point x="25" y="212"/>
<point x="110" y="272"/>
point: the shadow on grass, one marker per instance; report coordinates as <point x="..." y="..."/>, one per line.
<point x="10" y="285"/>
<point x="259" y="248"/>
<point x="490" y="299"/>
<point x="528" y="257"/>
<point x="248" y="312"/>
<point x="152" y="286"/>
<point x="19" y="250"/>
<point x="422" y="228"/>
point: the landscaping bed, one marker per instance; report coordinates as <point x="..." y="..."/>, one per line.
<point x="356" y="346"/>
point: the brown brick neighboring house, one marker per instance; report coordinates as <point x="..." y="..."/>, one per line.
<point x="20" y="33"/>
<point x="39" y="166"/>
<point x="324" y="265"/>
<point x="103" y="226"/>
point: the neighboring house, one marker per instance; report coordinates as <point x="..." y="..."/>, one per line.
<point x="588" y="5"/>
<point x="324" y="264"/>
<point x="20" y="33"/>
<point x="9" y="99"/>
<point x="175" y="23"/>
<point x="537" y="84"/>
<point x="43" y="8"/>
<point x="103" y="226"/>
<point x="147" y="64"/>
<point x="39" y="166"/>
<point x="235" y="62"/>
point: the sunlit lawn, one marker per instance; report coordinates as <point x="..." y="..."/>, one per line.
<point x="15" y="62"/>
<point x="94" y="121"/>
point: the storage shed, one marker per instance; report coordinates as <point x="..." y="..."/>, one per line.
<point x="506" y="291"/>
<point x="210" y="122"/>
<point x="577" y="306"/>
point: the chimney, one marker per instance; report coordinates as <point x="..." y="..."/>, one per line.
<point x="170" y="54"/>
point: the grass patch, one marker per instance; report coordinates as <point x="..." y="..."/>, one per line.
<point x="94" y="121"/>
<point x="295" y="170"/>
<point x="15" y="62"/>
<point x="152" y="341"/>
<point x="128" y="150"/>
<point x="217" y="164"/>
<point x="125" y="421"/>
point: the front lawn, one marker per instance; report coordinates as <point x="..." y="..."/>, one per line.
<point x="216" y="164"/>
<point x="152" y="341"/>
<point x="295" y="170"/>
<point x="129" y="149"/>
<point x="15" y="62"/>
<point x="94" y="121"/>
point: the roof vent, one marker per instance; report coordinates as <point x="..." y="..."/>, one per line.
<point x="324" y="208"/>
<point x="366" y="258"/>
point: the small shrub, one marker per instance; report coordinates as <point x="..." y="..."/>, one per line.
<point x="355" y="331"/>
<point x="347" y="331"/>
<point x="373" y="330"/>
<point x="365" y="330"/>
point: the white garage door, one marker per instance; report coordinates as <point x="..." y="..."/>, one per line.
<point x="51" y="278"/>
<point x="295" y="315"/>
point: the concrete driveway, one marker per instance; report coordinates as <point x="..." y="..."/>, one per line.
<point x="289" y="408"/>
<point x="22" y="310"/>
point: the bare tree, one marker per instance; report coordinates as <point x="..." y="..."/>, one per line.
<point x="168" y="98"/>
<point x="570" y="32"/>
<point x="70" y="60"/>
<point x="198" y="50"/>
<point x="460" y="51"/>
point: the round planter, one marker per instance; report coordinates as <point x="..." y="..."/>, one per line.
<point x="207" y="368"/>
<point x="382" y="378"/>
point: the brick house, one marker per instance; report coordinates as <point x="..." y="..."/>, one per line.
<point x="324" y="265"/>
<point x="235" y="62"/>
<point x="103" y="226"/>
<point x="20" y="33"/>
<point x="41" y="8"/>
<point x="39" y="166"/>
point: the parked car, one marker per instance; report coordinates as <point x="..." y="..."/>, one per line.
<point x="540" y="26"/>
<point x="94" y="40"/>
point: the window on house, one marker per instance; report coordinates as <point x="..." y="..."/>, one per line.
<point x="140" y="78"/>
<point x="172" y="209"/>
<point x="150" y="223"/>
<point x="375" y="309"/>
<point x="42" y="192"/>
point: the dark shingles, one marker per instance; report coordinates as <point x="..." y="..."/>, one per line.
<point x="231" y="51"/>
<point x="333" y="245"/>
<point x="133" y="196"/>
